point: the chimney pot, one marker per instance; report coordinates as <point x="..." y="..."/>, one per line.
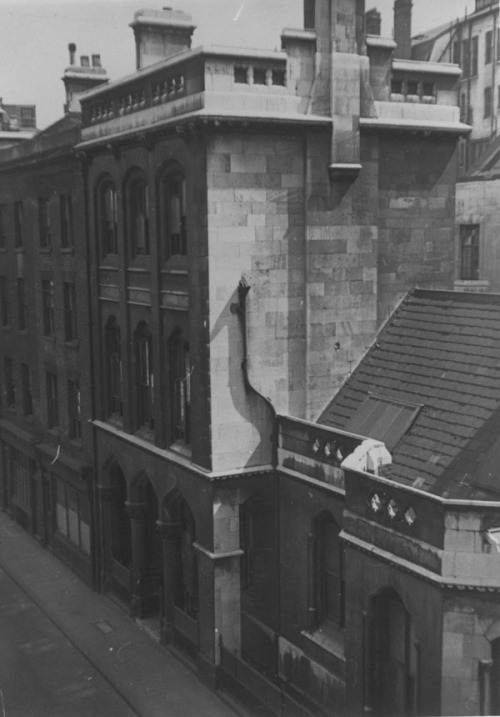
<point x="96" y="61"/>
<point x="72" y="51"/>
<point x="84" y="61"/>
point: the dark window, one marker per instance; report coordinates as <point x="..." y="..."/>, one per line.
<point x="241" y="74"/>
<point x="469" y="252"/>
<point x="4" y="299"/>
<point x="2" y="227"/>
<point x="18" y="223"/>
<point x="48" y="307"/>
<point x="74" y="410"/>
<point x="145" y="378"/>
<point x="279" y="77"/>
<point x="44" y="223"/>
<point x="487" y="102"/>
<point x="412" y="87"/>
<point x="475" y="56"/>
<point x="52" y="400"/>
<point x="259" y="76"/>
<point x="180" y="369"/>
<point x="26" y="389"/>
<point x="107" y="219"/>
<point x="498" y="44"/>
<point x="114" y="368"/>
<point x="22" y="306"/>
<point x="10" y="386"/>
<point x="329" y="572"/>
<point x="28" y="117"/>
<point x="70" y="325"/>
<point x="466" y="57"/>
<point x="138" y="216"/>
<point x="456" y="53"/>
<point x="174" y="214"/>
<point x="72" y="516"/>
<point x="66" y="215"/>
<point x="22" y="471"/>
<point x="428" y="89"/>
<point x="495" y="678"/>
<point x="498" y="97"/>
<point x="397" y="87"/>
<point x="488" y="47"/>
<point x="463" y="107"/>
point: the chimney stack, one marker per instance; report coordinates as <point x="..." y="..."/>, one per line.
<point x="160" y="34"/>
<point x="78" y="79"/>
<point x="373" y="22"/>
<point x="402" y="28"/>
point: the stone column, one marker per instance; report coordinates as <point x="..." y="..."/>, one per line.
<point x="138" y="525"/>
<point x="171" y="535"/>
<point x="105" y="496"/>
<point x="219" y="586"/>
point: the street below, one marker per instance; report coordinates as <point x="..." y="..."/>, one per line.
<point x="42" y="674"/>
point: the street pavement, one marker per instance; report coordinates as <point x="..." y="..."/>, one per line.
<point x="66" y="651"/>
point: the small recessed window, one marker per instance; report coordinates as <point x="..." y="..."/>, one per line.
<point x="279" y="77"/>
<point x="241" y="74"/>
<point x="428" y="89"/>
<point x="397" y="87"/>
<point x="469" y="252"/>
<point x="259" y="76"/>
<point x="412" y="87"/>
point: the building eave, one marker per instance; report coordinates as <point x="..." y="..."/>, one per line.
<point x="409" y="125"/>
<point x="215" y="120"/>
<point x="422" y="66"/>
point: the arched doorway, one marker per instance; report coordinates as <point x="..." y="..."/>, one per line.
<point x="146" y="564"/>
<point x="180" y="575"/>
<point x="393" y="657"/>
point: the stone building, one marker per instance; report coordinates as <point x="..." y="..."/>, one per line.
<point x="45" y="435"/>
<point x="473" y="42"/>
<point x="248" y="220"/>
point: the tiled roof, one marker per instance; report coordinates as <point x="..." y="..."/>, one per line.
<point x="440" y="350"/>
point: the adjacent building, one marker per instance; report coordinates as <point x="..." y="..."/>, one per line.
<point x="473" y="42"/>
<point x="45" y="435"/>
<point x="17" y="123"/>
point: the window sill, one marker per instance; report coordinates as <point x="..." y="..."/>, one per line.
<point x="73" y="344"/>
<point x="472" y="285"/>
<point x="328" y="637"/>
<point x="182" y="448"/>
<point x="7" y="327"/>
<point x="45" y="250"/>
<point x="67" y="250"/>
<point x="147" y="434"/>
<point x="115" y="419"/>
<point x="20" y="250"/>
<point x="49" y="339"/>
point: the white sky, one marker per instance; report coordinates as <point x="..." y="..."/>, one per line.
<point x="36" y="33"/>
